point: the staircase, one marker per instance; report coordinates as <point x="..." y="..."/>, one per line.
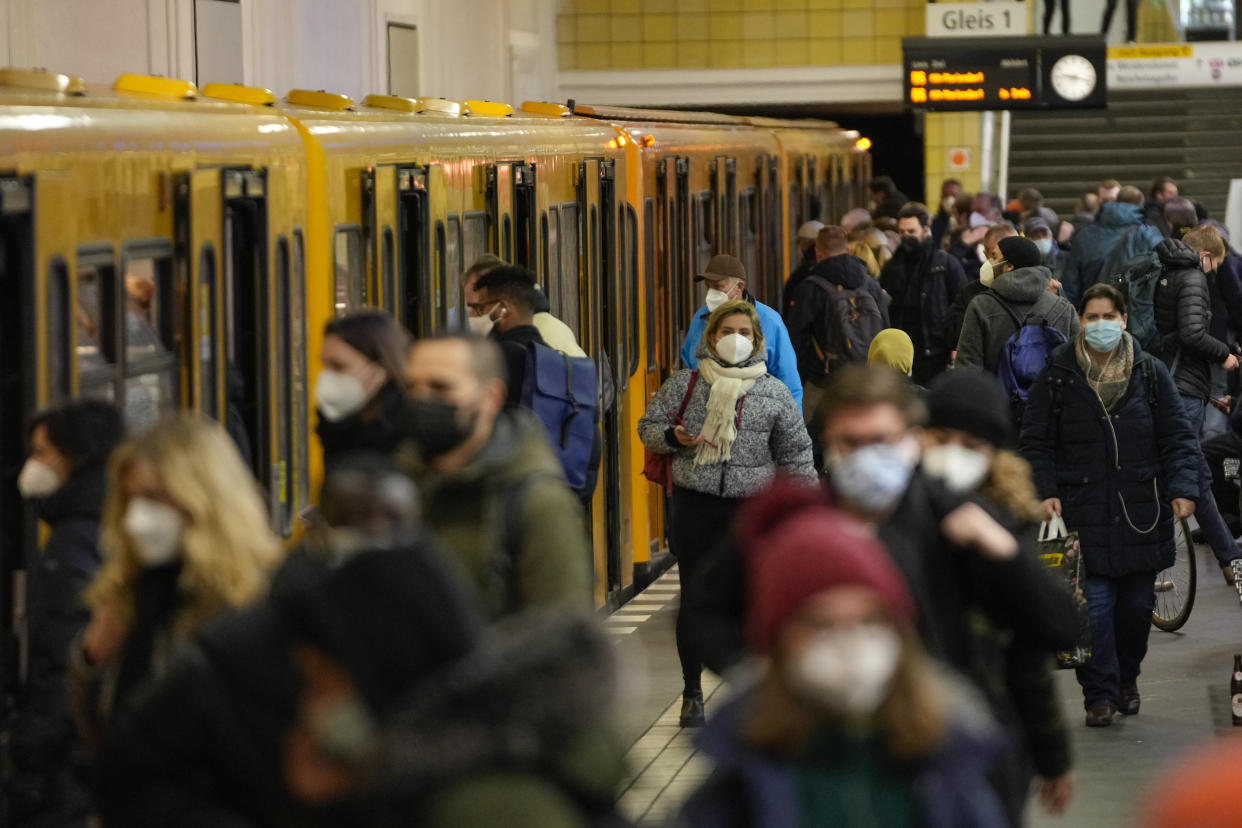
<point x="1191" y="135"/>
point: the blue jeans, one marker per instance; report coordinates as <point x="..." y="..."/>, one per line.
<point x="1207" y="515"/>
<point x="1119" y="611"/>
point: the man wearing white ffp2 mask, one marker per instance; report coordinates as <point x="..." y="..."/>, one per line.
<point x="725" y="280"/>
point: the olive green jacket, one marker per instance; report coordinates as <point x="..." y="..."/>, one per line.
<point x="510" y="520"/>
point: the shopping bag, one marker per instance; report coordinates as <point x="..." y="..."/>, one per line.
<point x="1060" y="551"/>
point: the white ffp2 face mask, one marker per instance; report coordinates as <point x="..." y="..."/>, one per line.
<point x="480" y="325"/>
<point x="37" y="480"/>
<point x="155" y="530"/>
<point x="734" y="348"/>
<point x="339" y="395"/>
<point x="961" y="469"/>
<point x="715" y="298"/>
<point x="848" y="671"/>
<point x="986" y="274"/>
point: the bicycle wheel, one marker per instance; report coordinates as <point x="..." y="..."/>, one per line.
<point x="1175" y="586"/>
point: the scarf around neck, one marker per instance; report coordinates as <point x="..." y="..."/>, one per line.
<point x="728" y="383"/>
<point x="1109" y="381"/>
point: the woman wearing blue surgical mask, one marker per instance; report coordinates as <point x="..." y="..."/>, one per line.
<point x="185" y="535"/>
<point x="729" y="426"/>
<point x="358" y="392"/>
<point x="1113" y="453"/>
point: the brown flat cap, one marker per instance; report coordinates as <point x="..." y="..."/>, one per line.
<point x="723" y="266"/>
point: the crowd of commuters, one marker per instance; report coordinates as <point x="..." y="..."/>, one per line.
<point x="857" y="481"/>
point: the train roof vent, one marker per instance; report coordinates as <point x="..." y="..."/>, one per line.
<point x="237" y="93"/>
<point x="489" y="109"/>
<point x="319" y="99"/>
<point x="394" y="102"/>
<point x="553" y="110"/>
<point x="155" y="85"/>
<point x="42" y="80"/>
<point x="441" y="106"/>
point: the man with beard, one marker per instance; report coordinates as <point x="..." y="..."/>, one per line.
<point x="922" y="282"/>
<point x="492" y="490"/>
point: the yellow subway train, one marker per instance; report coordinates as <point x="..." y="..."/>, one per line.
<point x="165" y="246"/>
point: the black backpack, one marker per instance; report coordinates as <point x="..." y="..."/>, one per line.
<point x="1137" y="281"/>
<point x="852" y="319"/>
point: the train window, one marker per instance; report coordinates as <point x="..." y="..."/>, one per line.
<point x="571" y="256"/>
<point x="151" y="380"/>
<point x="96" y="329"/>
<point x="208" y="389"/>
<point x="453" y="270"/>
<point x="649" y="280"/>
<point x="474" y="237"/>
<point x="506" y="238"/>
<point x="542" y="272"/>
<point x="57" y="331"/>
<point x="749" y="252"/>
<point x="388" y="274"/>
<point x="348" y="279"/>
<point x="631" y="251"/>
<point x="707" y="231"/>
<point x="441" y="265"/>
<point x="282" y="518"/>
<point x="552" y="258"/>
<point x="795" y="219"/>
<point x="301" y="392"/>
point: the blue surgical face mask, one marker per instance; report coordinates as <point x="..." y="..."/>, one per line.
<point x="1103" y="335"/>
<point x="875" y="477"/>
<point x="1044" y="245"/>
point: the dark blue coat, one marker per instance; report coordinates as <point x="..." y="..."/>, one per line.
<point x="1067" y="438"/>
<point x="749" y="789"/>
<point x="1116" y="234"/>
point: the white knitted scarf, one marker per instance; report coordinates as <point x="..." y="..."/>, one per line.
<point x="728" y="385"/>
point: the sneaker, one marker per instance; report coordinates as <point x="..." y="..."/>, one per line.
<point x="1128" y="704"/>
<point x="692" y="714"/>
<point x="1100" y="715"/>
<point x="1231" y="577"/>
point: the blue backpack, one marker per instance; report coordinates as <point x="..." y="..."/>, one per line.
<point x="563" y="393"/>
<point x="1025" y="354"/>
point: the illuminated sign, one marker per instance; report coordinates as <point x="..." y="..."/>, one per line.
<point x="972" y="74"/>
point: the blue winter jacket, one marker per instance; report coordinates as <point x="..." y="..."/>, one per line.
<point x="1097" y="243"/>
<point x="749" y="789"/>
<point x="1115" y="472"/>
<point x="782" y="361"/>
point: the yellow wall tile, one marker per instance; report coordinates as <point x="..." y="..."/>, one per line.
<point x="889" y="4"/>
<point x="627" y="28"/>
<point x="857" y="52"/>
<point x="627" y="6"/>
<point x="856" y="4"/>
<point x="659" y="55"/>
<point x="594" y="6"/>
<point x="659" y="27"/>
<point x="658" y="6"/>
<point x="825" y="52"/>
<point x="758" y="25"/>
<point x="691" y="6"/>
<point x="724" y="6"/>
<point x="824" y="4"/>
<point x="932" y="129"/>
<point x="693" y="55"/>
<point x="889" y="23"/>
<point x="857" y="24"/>
<point x="594" y="28"/>
<point x="566" y="29"/>
<point x="790" y="5"/>
<point x="888" y="50"/>
<point x="725" y="26"/>
<point x="793" y="53"/>
<point x="692" y="27"/>
<point x="758" y="5"/>
<point x="791" y="24"/>
<point x="594" y="56"/>
<point x="759" y="53"/>
<point x="567" y="6"/>
<point x="916" y="22"/>
<point x="824" y="24"/>
<point x="725" y="54"/>
<point x="627" y="56"/>
<point x="567" y="57"/>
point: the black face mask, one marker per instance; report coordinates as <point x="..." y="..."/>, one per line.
<point x="436" y="427"/>
<point x="910" y="245"/>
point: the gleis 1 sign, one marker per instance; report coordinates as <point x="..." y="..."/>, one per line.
<point x="991" y="19"/>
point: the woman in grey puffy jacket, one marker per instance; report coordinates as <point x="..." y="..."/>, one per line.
<point x="730" y="427"/>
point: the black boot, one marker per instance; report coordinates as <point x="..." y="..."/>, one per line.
<point x="692" y="710"/>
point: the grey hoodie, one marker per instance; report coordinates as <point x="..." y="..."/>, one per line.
<point x="988" y="325"/>
<point x="771" y="436"/>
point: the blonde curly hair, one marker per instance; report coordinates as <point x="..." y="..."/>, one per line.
<point x="227" y="549"/>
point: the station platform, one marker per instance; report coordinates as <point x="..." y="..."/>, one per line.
<point x="1185" y="690"/>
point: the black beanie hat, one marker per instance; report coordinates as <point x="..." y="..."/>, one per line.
<point x="390" y="617"/>
<point x="971" y="400"/>
<point x="1020" y="251"/>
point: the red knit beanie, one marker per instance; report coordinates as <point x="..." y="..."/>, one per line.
<point x="797" y="546"/>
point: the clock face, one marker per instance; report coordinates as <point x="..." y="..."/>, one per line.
<point x="1073" y="77"/>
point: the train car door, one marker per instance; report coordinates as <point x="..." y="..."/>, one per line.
<point x="767" y="179"/>
<point x="724" y="185"/>
<point x="500" y="209"/>
<point x="611" y="310"/>
<point x="399" y="216"/>
<point x="525" y="231"/>
<point x="379" y="212"/>
<point x="18" y="398"/>
<point x="200" y="220"/>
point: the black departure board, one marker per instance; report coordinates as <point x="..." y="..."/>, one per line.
<point x="961" y="74"/>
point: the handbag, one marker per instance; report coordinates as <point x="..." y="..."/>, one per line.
<point x="658" y="468"/>
<point x="1060" y="551"/>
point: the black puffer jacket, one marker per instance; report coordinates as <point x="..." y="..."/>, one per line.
<point x="923" y="285"/>
<point x="806" y="315"/>
<point x="1183" y="314"/>
<point x="1115" y="472"/>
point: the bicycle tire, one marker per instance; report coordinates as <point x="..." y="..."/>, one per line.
<point x="1174" y="603"/>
